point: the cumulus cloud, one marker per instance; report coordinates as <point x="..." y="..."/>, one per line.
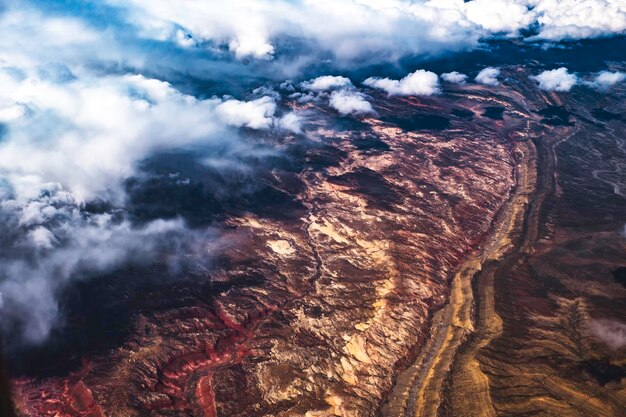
<point x="89" y="133"/>
<point x="291" y="122"/>
<point x="606" y="79"/>
<point x="488" y="76"/>
<point x="30" y="37"/>
<point x="556" y="80"/>
<point x="419" y="83"/>
<point x="12" y="112"/>
<point x="327" y="83"/>
<point x="555" y="19"/>
<point x="507" y="16"/>
<point x="611" y="332"/>
<point x="350" y="102"/>
<point x="578" y="19"/>
<point x="256" y="114"/>
<point x="454" y="77"/>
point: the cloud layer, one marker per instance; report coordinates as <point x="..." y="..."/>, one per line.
<point x="351" y="29"/>
<point x="578" y="19"/>
<point x="55" y="243"/>
<point x="88" y="133"/>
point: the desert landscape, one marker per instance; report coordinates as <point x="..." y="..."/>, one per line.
<point x="347" y="208"/>
<point x="405" y="265"/>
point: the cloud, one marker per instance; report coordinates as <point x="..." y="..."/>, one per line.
<point x="30" y="37"/>
<point x="348" y="29"/>
<point x="54" y="241"/>
<point x="350" y="102"/>
<point x="374" y="29"/>
<point x="419" y="83"/>
<point x="291" y="122"/>
<point x="496" y="16"/>
<point x="578" y="19"/>
<point x="11" y="113"/>
<point x="611" y="332"/>
<point x="555" y="20"/>
<point x="58" y="40"/>
<point x="606" y="79"/>
<point x="488" y="76"/>
<point x="256" y="114"/>
<point x="454" y="77"/>
<point x="326" y="83"/>
<point x="556" y="80"/>
<point x="88" y="133"/>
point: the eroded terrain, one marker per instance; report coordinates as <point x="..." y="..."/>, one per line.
<point x="321" y="293"/>
<point x="540" y="322"/>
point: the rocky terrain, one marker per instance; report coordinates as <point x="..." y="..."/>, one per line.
<point x="533" y="323"/>
<point x="560" y="348"/>
<point x="450" y="256"/>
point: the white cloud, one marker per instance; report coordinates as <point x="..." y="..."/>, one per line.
<point x="12" y="112"/>
<point x="454" y="77"/>
<point x="256" y="114"/>
<point x="87" y="134"/>
<point x="347" y="28"/>
<point x="380" y="29"/>
<point x="53" y="241"/>
<point x="31" y="38"/>
<point x="488" y="76"/>
<point x="607" y="79"/>
<point x="419" y="83"/>
<point x="78" y="248"/>
<point x="291" y="122"/>
<point x="611" y="332"/>
<point x="556" y="80"/>
<point x="42" y="238"/>
<point x="184" y="39"/>
<point x="350" y="102"/>
<point x="326" y="83"/>
<point x="507" y="16"/>
<point x="578" y="19"/>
